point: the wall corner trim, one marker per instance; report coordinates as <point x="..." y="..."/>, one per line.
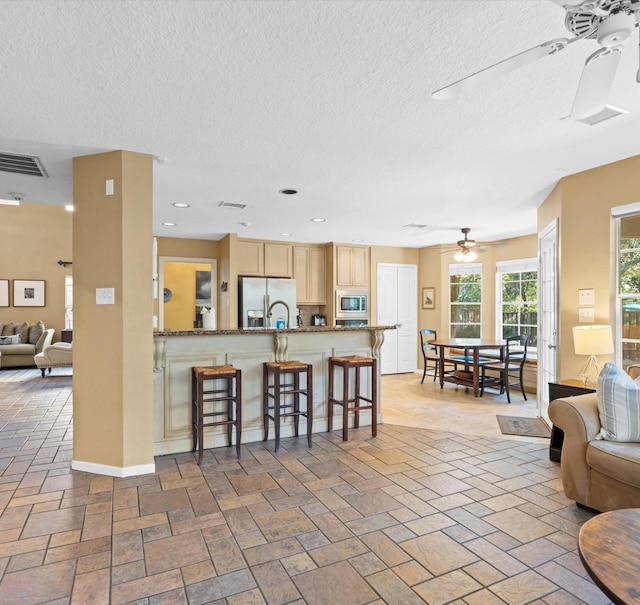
<point x="113" y="471"/>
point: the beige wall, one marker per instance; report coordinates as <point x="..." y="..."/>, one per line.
<point x="34" y="238"/>
<point x="586" y="246"/>
<point x="180" y="278"/>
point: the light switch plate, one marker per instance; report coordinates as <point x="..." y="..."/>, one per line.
<point x="105" y="296"/>
<point x="586" y="315"/>
<point x="586" y="296"/>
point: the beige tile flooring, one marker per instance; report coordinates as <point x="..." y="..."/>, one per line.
<point x="439" y="508"/>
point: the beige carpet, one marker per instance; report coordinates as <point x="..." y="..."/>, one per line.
<point x="518" y="425"/>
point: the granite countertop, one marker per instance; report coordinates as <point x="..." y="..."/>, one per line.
<point x="302" y="329"/>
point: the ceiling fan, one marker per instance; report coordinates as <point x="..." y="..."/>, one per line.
<point x="610" y="22"/>
<point x="468" y="249"/>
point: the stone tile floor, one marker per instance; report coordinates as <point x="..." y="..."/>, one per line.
<point x="413" y="516"/>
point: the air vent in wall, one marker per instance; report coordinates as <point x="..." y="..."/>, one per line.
<point x="231" y="205"/>
<point x="21" y="164"/>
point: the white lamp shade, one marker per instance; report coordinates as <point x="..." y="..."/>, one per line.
<point x="592" y="340"/>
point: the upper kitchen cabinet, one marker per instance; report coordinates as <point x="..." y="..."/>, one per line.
<point x="352" y="266"/>
<point x="264" y="259"/>
<point x="309" y="271"/>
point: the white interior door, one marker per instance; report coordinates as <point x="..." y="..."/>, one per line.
<point x="547" y="314"/>
<point x="397" y="305"/>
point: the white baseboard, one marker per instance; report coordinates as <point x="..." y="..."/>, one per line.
<point x="113" y="471"/>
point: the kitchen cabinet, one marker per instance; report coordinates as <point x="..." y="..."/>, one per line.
<point x="278" y="260"/>
<point x="264" y="259"/>
<point x="309" y="271"/>
<point x="352" y="266"/>
<point x="250" y="258"/>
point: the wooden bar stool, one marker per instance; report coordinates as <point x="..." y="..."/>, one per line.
<point x="280" y="392"/>
<point x="346" y="363"/>
<point x="199" y="396"/>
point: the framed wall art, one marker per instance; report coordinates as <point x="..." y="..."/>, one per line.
<point x="29" y="293"/>
<point x="428" y="298"/>
<point x="4" y="292"/>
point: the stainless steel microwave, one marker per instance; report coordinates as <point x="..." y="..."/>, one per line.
<point x="352" y="304"/>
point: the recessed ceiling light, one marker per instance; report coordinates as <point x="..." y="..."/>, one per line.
<point x="245" y="224"/>
<point x="357" y="240"/>
<point x="286" y="234"/>
<point x="181" y="205"/>
<point x="318" y="220"/>
<point x="68" y="207"/>
<point x="288" y="191"/>
<point x="169" y="224"/>
<point x="160" y="159"/>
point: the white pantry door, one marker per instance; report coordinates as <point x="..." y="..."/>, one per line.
<point x="398" y="305"/>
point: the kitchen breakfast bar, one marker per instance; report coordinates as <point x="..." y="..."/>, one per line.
<point x="176" y="353"/>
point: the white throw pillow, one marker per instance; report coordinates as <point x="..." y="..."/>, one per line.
<point x="10" y="340"/>
<point x="618" y="405"/>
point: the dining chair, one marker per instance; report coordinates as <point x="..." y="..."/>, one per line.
<point x="430" y="353"/>
<point x="510" y="368"/>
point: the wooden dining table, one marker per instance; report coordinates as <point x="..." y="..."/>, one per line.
<point x="471" y="359"/>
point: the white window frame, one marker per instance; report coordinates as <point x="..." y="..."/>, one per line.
<point x="618" y="213"/>
<point x="511" y="266"/>
<point x="464" y="269"/>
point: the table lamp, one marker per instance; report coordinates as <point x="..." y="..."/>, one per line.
<point x="592" y="341"/>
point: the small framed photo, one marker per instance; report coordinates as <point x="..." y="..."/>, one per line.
<point x="4" y="292"/>
<point x="28" y="293"/>
<point x="428" y="298"/>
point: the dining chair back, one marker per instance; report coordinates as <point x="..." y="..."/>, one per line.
<point x="511" y="367"/>
<point x="429" y="352"/>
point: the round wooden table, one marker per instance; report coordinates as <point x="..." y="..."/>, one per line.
<point x="609" y="547"/>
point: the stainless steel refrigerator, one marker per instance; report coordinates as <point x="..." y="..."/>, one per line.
<point x="266" y="302"/>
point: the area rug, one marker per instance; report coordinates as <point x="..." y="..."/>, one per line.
<point x="528" y="427"/>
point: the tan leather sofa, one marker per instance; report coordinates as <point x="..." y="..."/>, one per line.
<point x="603" y="475"/>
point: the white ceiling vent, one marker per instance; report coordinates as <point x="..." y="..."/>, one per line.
<point x="21" y="164"/>
<point x="232" y="205"/>
<point x="608" y="113"/>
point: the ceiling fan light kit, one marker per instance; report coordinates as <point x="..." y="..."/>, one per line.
<point x="610" y="22"/>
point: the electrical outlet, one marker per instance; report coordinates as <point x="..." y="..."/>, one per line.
<point x="586" y="315"/>
<point x="105" y="296"/>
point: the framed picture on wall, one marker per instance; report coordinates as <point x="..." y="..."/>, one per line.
<point x="28" y="293"/>
<point x="4" y="292"/>
<point x="428" y="298"/>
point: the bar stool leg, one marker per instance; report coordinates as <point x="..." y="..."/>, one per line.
<point x="374" y="398"/>
<point x="238" y="402"/>
<point x="231" y="402"/>
<point x="356" y="397"/>
<point x="309" y="403"/>
<point x="276" y="404"/>
<point x="345" y="402"/>
<point x="265" y="401"/>
<point x="200" y="404"/>
<point x="296" y="403"/>
<point x="330" y="410"/>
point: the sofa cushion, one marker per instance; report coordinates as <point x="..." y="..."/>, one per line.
<point x="618" y="405"/>
<point x="620" y="461"/>
<point x="8" y="329"/>
<point x="21" y="349"/>
<point x="23" y="330"/>
<point x="10" y="340"/>
<point x="35" y="332"/>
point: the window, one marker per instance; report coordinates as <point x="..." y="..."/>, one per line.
<point x="68" y="302"/>
<point x="465" y="300"/>
<point x="628" y="228"/>
<point x="517" y="299"/>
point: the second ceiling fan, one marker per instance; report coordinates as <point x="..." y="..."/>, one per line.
<point x="610" y="22"/>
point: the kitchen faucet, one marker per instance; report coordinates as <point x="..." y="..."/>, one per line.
<point x="286" y="306"/>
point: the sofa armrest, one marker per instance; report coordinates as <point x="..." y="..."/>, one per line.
<point x="579" y="419"/>
<point x="45" y="340"/>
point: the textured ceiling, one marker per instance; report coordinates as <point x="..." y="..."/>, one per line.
<point x="332" y="98"/>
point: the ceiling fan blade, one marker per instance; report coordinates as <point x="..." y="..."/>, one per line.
<point x="489" y="73"/>
<point x="596" y="82"/>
